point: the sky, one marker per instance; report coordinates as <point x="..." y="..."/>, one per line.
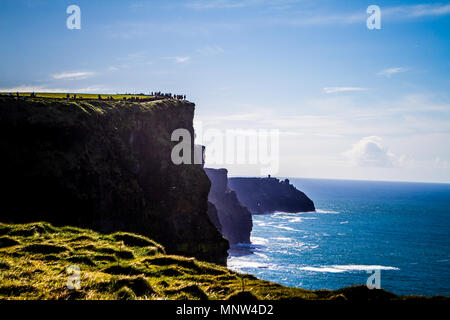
<point x="347" y="102"/>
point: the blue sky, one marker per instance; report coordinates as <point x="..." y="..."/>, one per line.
<point x="349" y="102"/>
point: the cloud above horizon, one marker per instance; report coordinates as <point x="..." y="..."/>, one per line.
<point x="45" y="89"/>
<point x="391" y="71"/>
<point x="73" y="75"/>
<point x="397" y="12"/>
<point x="178" y="59"/>
<point x="370" y="152"/>
<point x="329" y="90"/>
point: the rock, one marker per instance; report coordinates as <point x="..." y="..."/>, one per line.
<point x="234" y="218"/>
<point x="266" y="195"/>
<point x="106" y="165"/>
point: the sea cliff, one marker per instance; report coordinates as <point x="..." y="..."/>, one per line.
<point x="266" y="195"/>
<point x="234" y="218"/>
<point x="106" y="165"/>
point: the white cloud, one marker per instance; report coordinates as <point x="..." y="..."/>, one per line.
<point x="396" y="13"/>
<point x="42" y="89"/>
<point x="370" y="152"/>
<point x="230" y="4"/>
<point x="210" y="50"/>
<point x="440" y="163"/>
<point x="73" y="75"/>
<point x="178" y="59"/>
<point x="390" y="71"/>
<point x="417" y="11"/>
<point x="329" y="90"/>
<point x="182" y="59"/>
<point x="31" y="88"/>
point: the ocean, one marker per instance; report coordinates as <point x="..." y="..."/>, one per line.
<point x="401" y="229"/>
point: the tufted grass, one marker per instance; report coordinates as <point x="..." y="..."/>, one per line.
<point x="34" y="259"/>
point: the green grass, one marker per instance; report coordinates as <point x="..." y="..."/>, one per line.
<point x="80" y="95"/>
<point x="34" y="259"/>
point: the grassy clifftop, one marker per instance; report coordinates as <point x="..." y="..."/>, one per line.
<point x="34" y="259"/>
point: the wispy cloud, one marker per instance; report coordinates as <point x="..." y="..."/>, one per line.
<point x="396" y="13"/>
<point x="133" y="59"/>
<point x="229" y="4"/>
<point x="31" y="88"/>
<point x="73" y="75"/>
<point x="178" y="59"/>
<point x="210" y="50"/>
<point x="391" y="71"/>
<point x="42" y="88"/>
<point x="329" y="90"/>
<point x="416" y="11"/>
<point x="182" y="59"/>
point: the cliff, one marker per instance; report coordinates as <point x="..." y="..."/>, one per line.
<point x="106" y="165"/>
<point x="265" y="195"/>
<point x="235" y="219"/>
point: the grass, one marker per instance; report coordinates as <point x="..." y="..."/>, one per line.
<point x="34" y="259"/>
<point x="80" y="95"/>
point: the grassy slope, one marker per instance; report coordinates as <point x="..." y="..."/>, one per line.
<point x="34" y="259"/>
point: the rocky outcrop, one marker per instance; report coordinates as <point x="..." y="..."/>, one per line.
<point x="235" y="219"/>
<point x="106" y="165"/>
<point x="265" y="195"/>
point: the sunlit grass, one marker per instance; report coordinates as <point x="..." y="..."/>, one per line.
<point x="80" y="95"/>
<point x="34" y="259"/>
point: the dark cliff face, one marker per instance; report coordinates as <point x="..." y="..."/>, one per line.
<point x="266" y="195"/>
<point x="106" y="165"/>
<point x="235" y="219"/>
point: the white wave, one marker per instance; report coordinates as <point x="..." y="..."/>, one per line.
<point x="326" y="211"/>
<point x="281" y="239"/>
<point x="343" y="222"/>
<point x="258" y="240"/>
<point x="297" y="219"/>
<point x="357" y="267"/>
<point x="347" y="268"/>
<point x="280" y="214"/>
<point x="262" y="255"/>
<point x="300" y="219"/>
<point x="322" y="269"/>
<point x="238" y="265"/>
<point x="285" y="228"/>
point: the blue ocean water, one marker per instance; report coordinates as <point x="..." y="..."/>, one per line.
<point x="401" y="229"/>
